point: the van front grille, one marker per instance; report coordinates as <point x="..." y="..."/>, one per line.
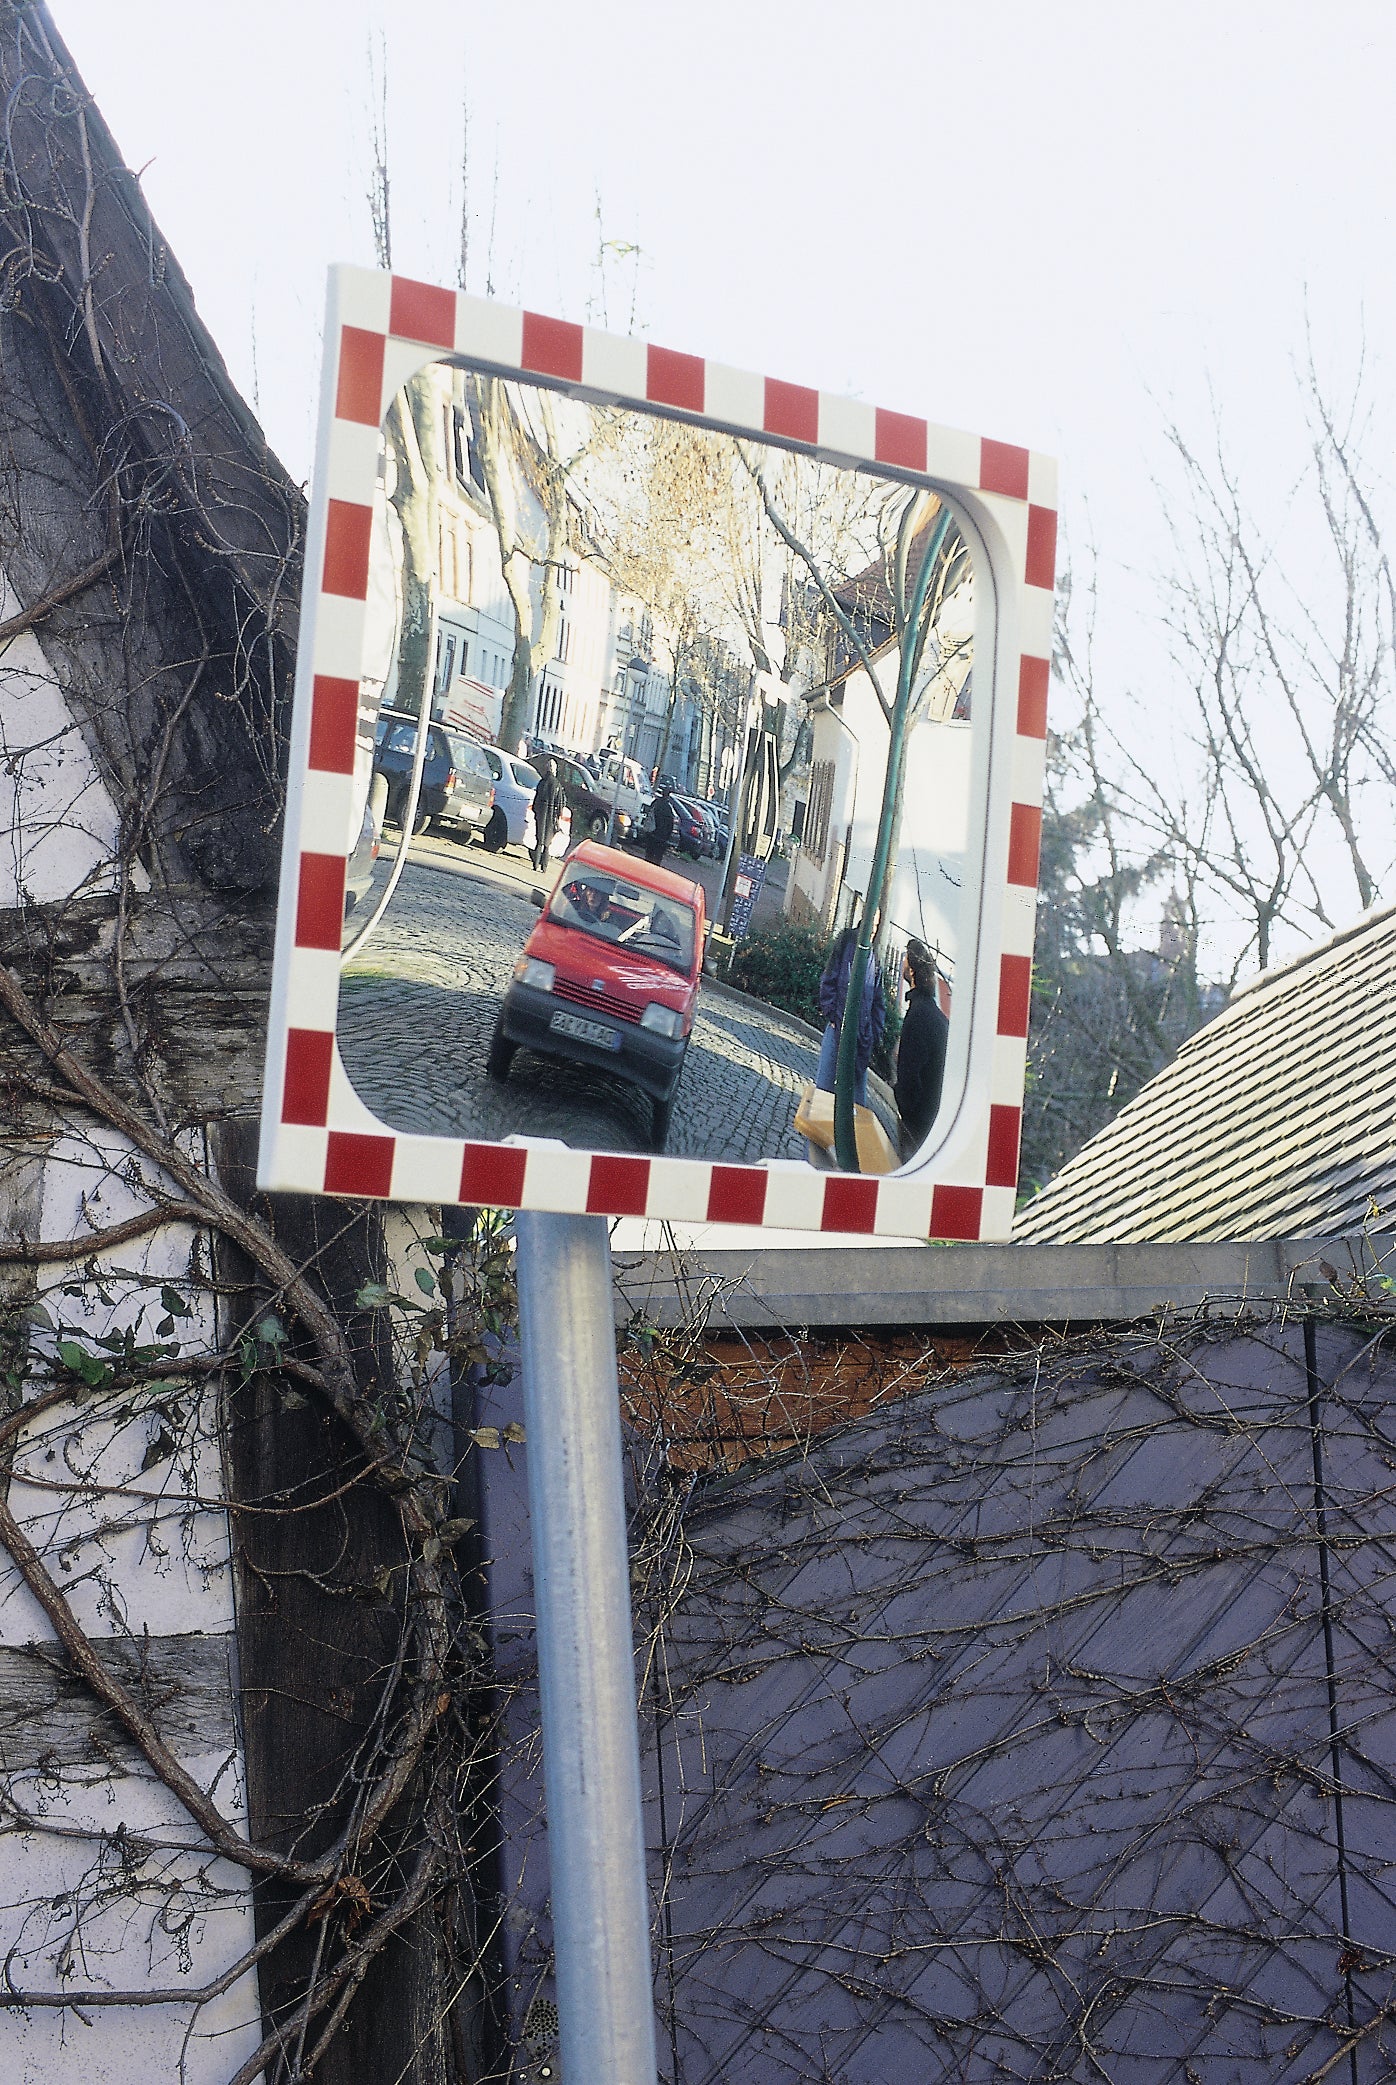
<point x="600" y="1002"/>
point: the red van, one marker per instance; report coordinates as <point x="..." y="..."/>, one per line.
<point x="609" y="976"/>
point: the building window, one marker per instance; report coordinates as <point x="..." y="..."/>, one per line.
<point x="449" y="578"/>
<point x="821" y="802"/>
<point x="458" y="440"/>
<point x="445" y="663"/>
<point x="550" y="707"/>
<point x="564" y="641"/>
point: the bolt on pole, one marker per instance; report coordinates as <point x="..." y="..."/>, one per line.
<point x="586" y="1658"/>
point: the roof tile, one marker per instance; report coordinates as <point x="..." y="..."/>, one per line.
<point x="1278" y="1120"/>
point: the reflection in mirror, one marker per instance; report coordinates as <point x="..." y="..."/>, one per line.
<point x="659" y="671"/>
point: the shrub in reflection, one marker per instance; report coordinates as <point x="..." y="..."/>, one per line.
<point x="782" y="965"/>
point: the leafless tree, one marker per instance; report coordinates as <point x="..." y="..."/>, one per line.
<point x="379" y="192"/>
<point x="1280" y="637"/>
<point x="873" y="600"/>
<point x="1240" y="786"/>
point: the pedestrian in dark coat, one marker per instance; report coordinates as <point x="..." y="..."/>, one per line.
<point x="921" y="1051"/>
<point x="661" y="833"/>
<point x="833" y="998"/>
<point x="548" y="800"/>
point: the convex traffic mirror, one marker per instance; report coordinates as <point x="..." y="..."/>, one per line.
<point x="740" y="685"/>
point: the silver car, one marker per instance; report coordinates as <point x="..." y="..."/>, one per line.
<point x="514" y="784"/>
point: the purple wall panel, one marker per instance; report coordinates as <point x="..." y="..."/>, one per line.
<point x="991" y="1739"/>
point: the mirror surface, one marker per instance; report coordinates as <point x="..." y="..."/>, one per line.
<point x="647" y="673"/>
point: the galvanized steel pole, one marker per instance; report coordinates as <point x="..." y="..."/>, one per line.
<point x="586" y="1659"/>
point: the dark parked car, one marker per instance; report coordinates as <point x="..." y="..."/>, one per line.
<point x="609" y="976"/>
<point x="590" y="807"/>
<point x="457" y="787"/>
<point x="719" y="815"/>
<point x="358" y="872"/>
<point x="690" y="829"/>
<point x="709" y="817"/>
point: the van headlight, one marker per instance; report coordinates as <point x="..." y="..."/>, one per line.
<point x="530" y="971"/>
<point x="664" y="1020"/>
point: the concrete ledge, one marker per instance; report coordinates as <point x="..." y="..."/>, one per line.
<point x="871" y="1286"/>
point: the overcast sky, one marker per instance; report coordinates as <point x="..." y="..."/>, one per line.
<point x="1018" y="218"/>
<point x="1055" y="224"/>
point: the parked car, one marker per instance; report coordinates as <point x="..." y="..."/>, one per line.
<point x="586" y="797"/>
<point x="514" y="784"/>
<point x="358" y="870"/>
<point x="690" y="830"/>
<point x="609" y="976"/>
<point x="709" y="818"/>
<point x="623" y="783"/>
<point x="720" y="819"/>
<point x="562" y="838"/>
<point x="457" y="788"/>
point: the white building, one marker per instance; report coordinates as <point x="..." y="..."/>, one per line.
<point x="571" y="696"/>
<point x="830" y="873"/>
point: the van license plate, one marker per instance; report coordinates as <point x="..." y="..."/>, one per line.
<point x="585" y="1031"/>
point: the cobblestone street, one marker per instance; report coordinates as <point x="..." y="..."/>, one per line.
<point x="417" y="1008"/>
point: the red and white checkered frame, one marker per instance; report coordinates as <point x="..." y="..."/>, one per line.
<point x="317" y="1135"/>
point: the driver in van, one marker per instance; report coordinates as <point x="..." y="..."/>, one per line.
<point x="591" y="904"/>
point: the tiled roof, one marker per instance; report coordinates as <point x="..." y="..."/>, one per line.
<point x="1276" y="1121"/>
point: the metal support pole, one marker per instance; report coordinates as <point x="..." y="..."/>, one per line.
<point x="586" y="1659"/>
<point x="736" y="814"/>
<point x="909" y="642"/>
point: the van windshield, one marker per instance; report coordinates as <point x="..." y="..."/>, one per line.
<point x="610" y="909"/>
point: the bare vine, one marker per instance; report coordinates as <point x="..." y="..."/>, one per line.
<point x="152" y="545"/>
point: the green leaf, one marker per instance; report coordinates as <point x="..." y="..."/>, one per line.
<point x="270" y="1330"/>
<point x="426" y="1281"/>
<point x="175" y="1304"/>
<point x="88" y="1366"/>
<point x="374" y="1296"/>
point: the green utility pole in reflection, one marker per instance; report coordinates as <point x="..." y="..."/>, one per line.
<point x="908" y="661"/>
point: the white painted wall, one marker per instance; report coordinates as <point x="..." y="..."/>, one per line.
<point x="938" y="817"/>
<point x="104" y="1882"/>
<point x="58" y="823"/>
<point x="113" y="1889"/>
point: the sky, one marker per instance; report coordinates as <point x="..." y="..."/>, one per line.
<point x="1058" y="224"/>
